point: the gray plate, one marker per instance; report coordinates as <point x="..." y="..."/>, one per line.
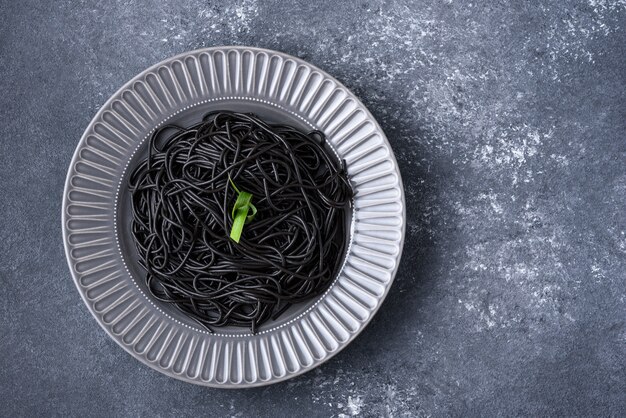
<point x="96" y="216"/>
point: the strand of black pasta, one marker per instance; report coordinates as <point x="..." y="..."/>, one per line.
<point x="182" y="201"/>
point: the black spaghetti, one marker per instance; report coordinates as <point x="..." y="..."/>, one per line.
<point x="183" y="199"/>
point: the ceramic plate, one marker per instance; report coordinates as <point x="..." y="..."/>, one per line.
<point x="96" y="216"/>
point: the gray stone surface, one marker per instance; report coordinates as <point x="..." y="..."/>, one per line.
<point x="509" y="124"/>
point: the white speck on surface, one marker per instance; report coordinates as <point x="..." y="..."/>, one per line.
<point x="492" y="198"/>
<point x="598" y="272"/>
<point x="355" y="404"/>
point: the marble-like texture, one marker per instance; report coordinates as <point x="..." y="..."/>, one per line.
<point x="508" y="120"/>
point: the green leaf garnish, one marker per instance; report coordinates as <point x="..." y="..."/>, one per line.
<point x="242" y="206"/>
<point x="233" y="184"/>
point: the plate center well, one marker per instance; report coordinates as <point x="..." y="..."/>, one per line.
<point x="269" y="113"/>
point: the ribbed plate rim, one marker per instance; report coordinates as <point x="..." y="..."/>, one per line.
<point x="68" y="187"/>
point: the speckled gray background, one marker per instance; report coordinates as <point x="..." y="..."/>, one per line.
<point x="509" y="125"/>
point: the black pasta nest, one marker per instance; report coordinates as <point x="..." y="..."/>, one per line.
<point x="182" y="200"/>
